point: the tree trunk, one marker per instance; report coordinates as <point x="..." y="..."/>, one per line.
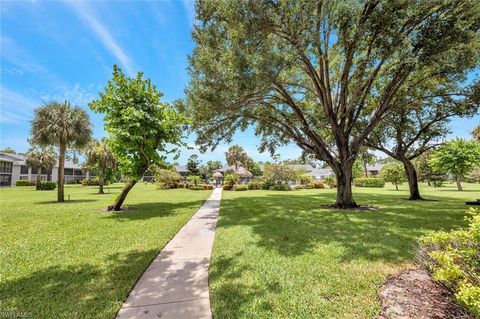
<point x="119" y="201"/>
<point x="39" y="176"/>
<point x="344" y="187"/>
<point x="396" y="186"/>
<point x="365" y="169"/>
<point x="412" y="180"/>
<point x="101" y="181"/>
<point x="61" y="169"/>
<point x="459" y="185"/>
<point x="428" y="183"/>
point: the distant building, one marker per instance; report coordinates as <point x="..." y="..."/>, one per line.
<point x="243" y="173"/>
<point x="13" y="167"/>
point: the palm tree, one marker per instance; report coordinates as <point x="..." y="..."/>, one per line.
<point x="99" y="156"/>
<point x="64" y="126"/>
<point x="236" y="156"/>
<point x="41" y="159"/>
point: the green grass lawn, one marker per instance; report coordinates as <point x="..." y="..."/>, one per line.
<point x="69" y="260"/>
<point x="279" y="255"/>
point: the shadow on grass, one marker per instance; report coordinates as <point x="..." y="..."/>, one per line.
<point x="72" y="201"/>
<point x="152" y="210"/>
<point x="293" y="224"/>
<point x="77" y="291"/>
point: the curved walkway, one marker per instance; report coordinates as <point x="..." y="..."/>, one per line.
<point x="175" y="285"/>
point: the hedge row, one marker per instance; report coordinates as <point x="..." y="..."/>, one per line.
<point x="369" y="182"/>
<point x="24" y="182"/>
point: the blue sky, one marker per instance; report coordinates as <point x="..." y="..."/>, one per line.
<point x="65" y="51"/>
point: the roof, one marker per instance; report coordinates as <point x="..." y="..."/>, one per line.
<point x="306" y="167"/>
<point x="375" y="167"/>
<point x="181" y="169"/>
<point x="241" y="171"/>
<point x="320" y="172"/>
<point x="217" y="175"/>
<point x="20" y="159"/>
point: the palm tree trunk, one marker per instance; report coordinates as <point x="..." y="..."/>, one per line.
<point x="61" y="169"/>
<point x="39" y="174"/>
<point x="101" y="181"/>
<point x="121" y="198"/>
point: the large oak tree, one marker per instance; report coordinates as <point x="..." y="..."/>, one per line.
<point x="321" y="74"/>
<point x="420" y="119"/>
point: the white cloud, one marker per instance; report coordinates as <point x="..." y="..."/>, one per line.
<point x="85" y="13"/>
<point x="15" y="107"/>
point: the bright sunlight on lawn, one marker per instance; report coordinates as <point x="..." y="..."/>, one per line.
<point x="68" y="260"/>
<point x="278" y="255"/>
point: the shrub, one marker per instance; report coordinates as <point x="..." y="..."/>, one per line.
<point x="254" y="185"/>
<point x="280" y="187"/>
<point x="320" y="185"/>
<point x="227" y="187"/>
<point x="330" y="181"/>
<point x="453" y="258"/>
<point x="207" y="186"/>
<point x="265" y="185"/>
<point x="231" y="179"/>
<point x="196" y="188"/>
<point x="89" y="181"/>
<point x="369" y="182"/>
<point x="300" y="186"/>
<point x="22" y="182"/>
<point x="166" y="179"/>
<point x="240" y="188"/>
<point x="310" y="186"/>
<point x="47" y="186"/>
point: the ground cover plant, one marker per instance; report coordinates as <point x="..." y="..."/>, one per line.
<point x="69" y="260"/>
<point x="279" y="255"/>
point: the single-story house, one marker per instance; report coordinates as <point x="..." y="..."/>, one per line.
<point x="13" y="167"/>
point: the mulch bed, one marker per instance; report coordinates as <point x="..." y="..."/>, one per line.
<point x="412" y="294"/>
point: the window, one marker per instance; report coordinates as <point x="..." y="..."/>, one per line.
<point x="5" y="180"/>
<point x="68" y="171"/>
<point x="5" y="167"/>
<point x="23" y="169"/>
<point x="34" y="171"/>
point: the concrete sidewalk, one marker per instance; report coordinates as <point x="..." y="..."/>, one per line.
<point x="175" y="285"/>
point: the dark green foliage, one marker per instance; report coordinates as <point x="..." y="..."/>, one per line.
<point x="280" y="187"/>
<point x="369" y="182"/>
<point x="23" y="182"/>
<point x="47" y="186"/>
<point x="227" y="187"/>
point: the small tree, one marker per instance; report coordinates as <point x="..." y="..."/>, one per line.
<point x="231" y="179"/>
<point x="64" y="126"/>
<point x="358" y="170"/>
<point x="393" y="173"/>
<point x="279" y="173"/>
<point x="139" y="126"/>
<point x="192" y="164"/>
<point x="425" y="170"/>
<point x="194" y="179"/>
<point x="458" y="157"/>
<point x="100" y="157"/>
<point x="41" y="159"/>
<point x="166" y="178"/>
